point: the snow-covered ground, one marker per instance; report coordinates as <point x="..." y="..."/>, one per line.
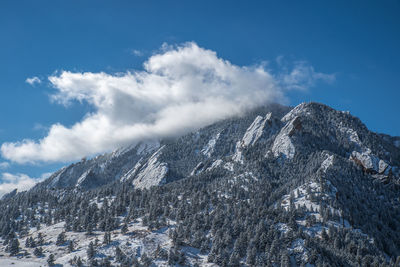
<point x="19" y="263"/>
<point x="137" y="241"/>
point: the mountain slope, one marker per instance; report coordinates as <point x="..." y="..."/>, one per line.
<point x="277" y="186"/>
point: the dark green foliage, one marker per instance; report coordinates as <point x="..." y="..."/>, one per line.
<point x="51" y="260"/>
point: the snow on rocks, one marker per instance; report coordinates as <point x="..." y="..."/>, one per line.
<point x="283" y="145"/>
<point x="252" y="135"/>
<point x="153" y="172"/>
<point x="327" y="163"/>
<point x="363" y="155"/>
<point x="198" y="169"/>
<point x="368" y="161"/>
<point x="83" y="177"/>
<point x="255" y="131"/>
<point x="238" y="157"/>
<point x="132" y="172"/>
<point x="299" y="250"/>
<point x="209" y="148"/>
<point x="229" y="166"/>
<point x="351" y="135"/>
<point x="304" y="196"/>
<point x="215" y="164"/>
<point x="147" y="147"/>
<point x="300" y="109"/>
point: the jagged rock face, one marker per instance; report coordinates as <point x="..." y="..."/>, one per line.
<point x="103" y="169"/>
<point x="153" y="173"/>
<point x="275" y="132"/>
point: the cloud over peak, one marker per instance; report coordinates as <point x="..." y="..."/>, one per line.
<point x="180" y="89"/>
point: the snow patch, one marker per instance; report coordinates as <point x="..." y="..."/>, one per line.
<point x="229" y="166"/>
<point x="82" y="178"/>
<point x="363" y="155"/>
<point x="327" y="163"/>
<point x="209" y="148"/>
<point x="282" y="227"/>
<point x="238" y="157"/>
<point x="283" y="144"/>
<point x="19" y="263"/>
<point x="295" y="112"/>
<point x="255" y="131"/>
<point x="215" y="164"/>
<point x="153" y="173"/>
<point x="352" y="136"/>
<point x="132" y="171"/>
<point x="251" y="136"/>
<point x="198" y="169"/>
<point x="366" y="159"/>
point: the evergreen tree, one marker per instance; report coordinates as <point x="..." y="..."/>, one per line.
<point x="60" y="239"/>
<point x="91" y="251"/>
<point x="40" y="239"/>
<point x="124" y="229"/>
<point x="14" y="247"/>
<point x="70" y="246"/>
<point x="38" y="252"/>
<point x="107" y="238"/>
<point x="51" y="260"/>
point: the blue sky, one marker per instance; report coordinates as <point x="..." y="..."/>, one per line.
<point x="357" y="42"/>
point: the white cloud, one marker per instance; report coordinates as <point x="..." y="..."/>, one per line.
<point x="33" y="80"/>
<point x="4" y="165"/>
<point x="180" y="89"/>
<point x="137" y="53"/>
<point x="19" y="181"/>
<point x="302" y="76"/>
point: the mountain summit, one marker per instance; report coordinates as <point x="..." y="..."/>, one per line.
<point x="278" y="186"/>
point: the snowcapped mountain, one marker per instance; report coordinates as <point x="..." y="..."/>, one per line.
<point x="278" y="186"/>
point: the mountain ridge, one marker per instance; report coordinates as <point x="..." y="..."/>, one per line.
<point x="307" y="185"/>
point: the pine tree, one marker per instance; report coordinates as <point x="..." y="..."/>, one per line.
<point x="51" y="260"/>
<point x="60" y="239"/>
<point x="119" y="255"/>
<point x="124" y="229"/>
<point x="40" y="239"/>
<point x="70" y="246"/>
<point x="14" y="247"/>
<point x="107" y="238"/>
<point x="90" y="251"/>
<point x="38" y="252"/>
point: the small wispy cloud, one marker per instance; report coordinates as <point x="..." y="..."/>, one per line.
<point x="33" y="80"/>
<point x="137" y="53"/>
<point x="300" y="75"/>
<point x="40" y="127"/>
